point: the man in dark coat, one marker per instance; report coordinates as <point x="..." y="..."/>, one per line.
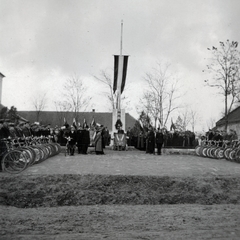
<point x="129" y="136"/>
<point x="150" y="141"/>
<point x="80" y="140"/>
<point x="72" y="139"/>
<point x="85" y="140"/>
<point x="105" y="137"/>
<point x="159" y="141"/>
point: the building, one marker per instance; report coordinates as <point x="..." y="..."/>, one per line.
<point x="233" y="121"/>
<point x="1" y="77"/>
<point x="57" y="118"/>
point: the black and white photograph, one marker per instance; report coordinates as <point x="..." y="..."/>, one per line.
<point x="119" y="119"/>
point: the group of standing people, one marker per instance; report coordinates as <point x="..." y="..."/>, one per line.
<point x="80" y="137"/>
<point x="154" y="139"/>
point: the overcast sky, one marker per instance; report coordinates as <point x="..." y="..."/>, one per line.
<point x="44" y="42"/>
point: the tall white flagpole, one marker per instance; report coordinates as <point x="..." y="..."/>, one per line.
<point x="120" y="79"/>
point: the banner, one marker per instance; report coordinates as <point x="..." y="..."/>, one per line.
<point x="120" y="72"/>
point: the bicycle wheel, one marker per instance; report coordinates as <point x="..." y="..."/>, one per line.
<point x="237" y="155"/>
<point x="227" y="152"/>
<point x="204" y="151"/>
<point x="14" y="162"/>
<point x="220" y="153"/>
<point x="29" y="153"/>
<point x="197" y="150"/>
<point x="232" y="155"/>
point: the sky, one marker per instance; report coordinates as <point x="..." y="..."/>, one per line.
<point x="45" y="42"/>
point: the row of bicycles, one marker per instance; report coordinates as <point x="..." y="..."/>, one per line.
<point x="229" y="150"/>
<point x="19" y="154"/>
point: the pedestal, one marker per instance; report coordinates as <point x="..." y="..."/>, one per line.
<point x="118" y="114"/>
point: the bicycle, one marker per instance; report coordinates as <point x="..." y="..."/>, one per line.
<point x="13" y="161"/>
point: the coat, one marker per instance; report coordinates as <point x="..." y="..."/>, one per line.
<point x="73" y="136"/>
<point x="159" y="137"/>
<point x="98" y="142"/>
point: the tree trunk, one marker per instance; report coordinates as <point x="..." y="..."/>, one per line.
<point x="226" y="112"/>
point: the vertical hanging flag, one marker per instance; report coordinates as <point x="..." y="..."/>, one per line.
<point x="120" y="72"/>
<point x="85" y="123"/>
<point x="172" y="127"/>
<point x="93" y="123"/>
<point x="74" y="123"/>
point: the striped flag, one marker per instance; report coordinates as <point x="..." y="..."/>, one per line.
<point x="120" y="72"/>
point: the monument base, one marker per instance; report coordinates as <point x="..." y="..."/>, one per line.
<point x="117" y="114"/>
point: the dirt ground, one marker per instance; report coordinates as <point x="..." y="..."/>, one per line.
<point x="50" y="201"/>
<point x="122" y="222"/>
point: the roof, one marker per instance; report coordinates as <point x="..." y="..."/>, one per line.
<point x="233" y="117"/>
<point x="1" y="106"/>
<point x="2" y="75"/>
<point x="57" y="118"/>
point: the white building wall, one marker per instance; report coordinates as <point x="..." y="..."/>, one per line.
<point x="1" y="88"/>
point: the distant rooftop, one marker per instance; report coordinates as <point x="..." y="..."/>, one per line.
<point x="233" y="117"/>
<point x="57" y="118"/>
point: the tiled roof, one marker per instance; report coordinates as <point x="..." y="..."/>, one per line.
<point x="233" y="117"/>
<point x="57" y="118"/>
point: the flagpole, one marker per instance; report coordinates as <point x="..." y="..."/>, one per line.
<point x="121" y="38"/>
<point x="119" y="86"/>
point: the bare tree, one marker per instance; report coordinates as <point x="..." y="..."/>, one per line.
<point x="39" y="103"/>
<point x="225" y="67"/>
<point x="211" y="123"/>
<point x="162" y="91"/>
<point x="75" y="98"/>
<point x="106" y="79"/>
<point x="185" y="118"/>
<point x="193" y="119"/>
<point x="62" y="109"/>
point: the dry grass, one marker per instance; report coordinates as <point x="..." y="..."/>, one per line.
<point x="75" y="190"/>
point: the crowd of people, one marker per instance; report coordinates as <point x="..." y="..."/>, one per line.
<point x="149" y="140"/>
<point x="219" y="135"/>
<point x="83" y="136"/>
<point x="161" y="137"/>
<point x="80" y="137"/>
